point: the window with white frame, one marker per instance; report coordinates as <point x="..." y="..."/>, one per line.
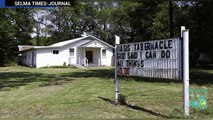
<point x="72" y="51"/>
<point x="55" y="52"/>
<point x="103" y="53"/>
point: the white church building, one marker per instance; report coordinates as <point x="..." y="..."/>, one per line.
<point x="87" y="50"/>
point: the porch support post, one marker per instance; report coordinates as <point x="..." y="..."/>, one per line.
<point x="75" y="54"/>
<point x="100" y="56"/>
<point x="84" y="56"/>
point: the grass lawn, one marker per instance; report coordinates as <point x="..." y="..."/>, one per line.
<point x="89" y="94"/>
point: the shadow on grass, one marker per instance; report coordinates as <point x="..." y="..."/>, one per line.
<point x="135" y="108"/>
<point x="15" y="79"/>
<point x="201" y="78"/>
<point x="10" y="80"/>
<point x="101" y="73"/>
<point x="109" y="74"/>
<point x="196" y="77"/>
<point x="146" y="79"/>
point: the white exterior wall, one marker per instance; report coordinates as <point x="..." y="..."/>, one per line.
<point x="34" y="58"/>
<point x="80" y="55"/>
<point x="107" y="61"/>
<point x="96" y="56"/>
<point x="44" y="57"/>
<point x="66" y="55"/>
<point x="27" y="57"/>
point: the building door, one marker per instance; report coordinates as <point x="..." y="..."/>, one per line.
<point x="89" y="56"/>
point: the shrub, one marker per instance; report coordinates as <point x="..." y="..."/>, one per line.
<point x="64" y="64"/>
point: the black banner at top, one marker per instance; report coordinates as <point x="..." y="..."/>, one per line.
<point x="38" y="3"/>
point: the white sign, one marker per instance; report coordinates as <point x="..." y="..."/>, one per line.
<point x="156" y="59"/>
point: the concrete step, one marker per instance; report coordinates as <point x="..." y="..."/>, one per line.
<point x="79" y="66"/>
<point x="92" y="65"/>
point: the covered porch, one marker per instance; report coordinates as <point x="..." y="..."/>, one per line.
<point x="92" y="53"/>
<point x="89" y="56"/>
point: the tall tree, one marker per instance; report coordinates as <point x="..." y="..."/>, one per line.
<point x="6" y="35"/>
<point x="133" y="20"/>
<point x="160" y="24"/>
<point x="201" y="29"/>
<point x="171" y="23"/>
<point x="15" y="28"/>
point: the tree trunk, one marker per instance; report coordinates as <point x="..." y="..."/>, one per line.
<point x="171" y="23"/>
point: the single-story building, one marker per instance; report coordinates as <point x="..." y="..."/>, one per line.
<point x="86" y="50"/>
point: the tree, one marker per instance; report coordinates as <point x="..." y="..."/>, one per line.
<point x="160" y="25"/>
<point x="130" y="20"/>
<point x="171" y="23"/>
<point x="201" y="29"/>
<point x="196" y="16"/>
<point x="15" y="29"/>
<point x="133" y="20"/>
<point x="6" y="35"/>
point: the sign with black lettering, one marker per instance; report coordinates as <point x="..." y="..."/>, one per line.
<point x="157" y="59"/>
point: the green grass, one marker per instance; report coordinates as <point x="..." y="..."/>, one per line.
<point x="89" y="94"/>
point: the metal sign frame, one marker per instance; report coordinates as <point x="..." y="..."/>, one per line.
<point x="155" y="59"/>
<point x="182" y="64"/>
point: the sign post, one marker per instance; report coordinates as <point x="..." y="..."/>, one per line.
<point x="182" y="29"/>
<point x="185" y="34"/>
<point x="117" y="41"/>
